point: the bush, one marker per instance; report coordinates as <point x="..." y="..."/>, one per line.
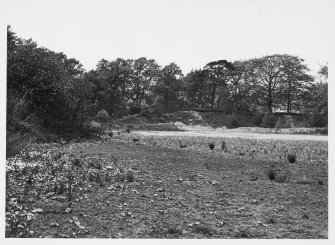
<point x="102" y="116"/>
<point x="318" y="120"/>
<point x="272" y="174"/>
<point x="269" y="120"/>
<point x="130" y="175"/>
<point x="223" y="145"/>
<point x="257" y="119"/>
<point x="22" y="126"/>
<point x="211" y="145"/>
<point x="291" y="158"/>
<point x="134" y="109"/>
<point x="234" y="121"/>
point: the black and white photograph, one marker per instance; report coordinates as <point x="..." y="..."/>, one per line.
<point x="157" y="119"/>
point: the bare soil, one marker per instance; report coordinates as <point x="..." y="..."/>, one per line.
<point x="178" y="193"/>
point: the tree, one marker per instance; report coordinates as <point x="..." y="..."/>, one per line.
<point x="49" y="81"/>
<point x="295" y="82"/>
<point x="216" y="71"/>
<point x="112" y="85"/>
<point x="169" y="87"/>
<point x="197" y="94"/>
<point x="267" y="75"/>
<point x="145" y="72"/>
<point x="239" y="85"/>
<point x="318" y="101"/>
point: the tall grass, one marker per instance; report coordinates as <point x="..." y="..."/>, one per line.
<point x="21" y="128"/>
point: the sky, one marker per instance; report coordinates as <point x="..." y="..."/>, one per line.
<point x="190" y="33"/>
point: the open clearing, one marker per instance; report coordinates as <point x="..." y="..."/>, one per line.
<point x="234" y="134"/>
<point x="189" y="192"/>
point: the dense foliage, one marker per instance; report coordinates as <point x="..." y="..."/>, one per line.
<point x="62" y="95"/>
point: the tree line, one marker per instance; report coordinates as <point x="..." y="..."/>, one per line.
<point x="61" y="94"/>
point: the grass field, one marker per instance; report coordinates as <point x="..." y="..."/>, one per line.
<point x="132" y="186"/>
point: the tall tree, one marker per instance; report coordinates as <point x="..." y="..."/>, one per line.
<point x="239" y="85"/>
<point x="267" y="75"/>
<point x="145" y="72"/>
<point x="169" y="86"/>
<point x="217" y="71"/>
<point x="197" y="94"/>
<point x="295" y="82"/>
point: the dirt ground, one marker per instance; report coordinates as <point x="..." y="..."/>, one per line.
<point x="178" y="193"/>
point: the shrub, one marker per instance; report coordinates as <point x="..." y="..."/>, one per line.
<point x="173" y="230"/>
<point x="102" y="116"/>
<point x="223" y="145"/>
<point x="257" y="119"/>
<point x="21" y="125"/>
<point x="134" y="109"/>
<point x="269" y="120"/>
<point x="204" y="230"/>
<point x="129" y="175"/>
<point x="211" y="145"/>
<point x="318" y="120"/>
<point x="291" y="158"/>
<point x="234" y="121"/>
<point x="119" y="177"/>
<point x="272" y="174"/>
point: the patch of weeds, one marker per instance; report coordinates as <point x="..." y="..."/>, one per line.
<point x="320" y="182"/>
<point x="204" y="230"/>
<point x="119" y="176"/>
<point x="223" y="145"/>
<point x="129" y="175"/>
<point x="271" y="173"/>
<point x="291" y="158"/>
<point x="206" y="165"/>
<point x="305" y="216"/>
<point x="277" y="175"/>
<point x="244" y="233"/>
<point x="303" y="182"/>
<point x="281" y="179"/>
<point x="211" y="145"/>
<point x="271" y="220"/>
<point x="174" y="231"/>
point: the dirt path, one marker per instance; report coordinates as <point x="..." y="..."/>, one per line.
<point x="231" y="134"/>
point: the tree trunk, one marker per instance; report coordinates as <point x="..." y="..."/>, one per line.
<point x="289" y="101"/>
<point x="213" y="94"/>
<point x="219" y="102"/>
<point x="270" y="102"/>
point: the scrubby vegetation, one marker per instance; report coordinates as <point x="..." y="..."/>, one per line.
<point x="156" y="189"/>
<point x="63" y="98"/>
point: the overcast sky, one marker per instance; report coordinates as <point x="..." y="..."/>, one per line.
<point x="190" y="33"/>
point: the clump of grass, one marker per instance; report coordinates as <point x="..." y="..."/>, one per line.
<point x="223" y="145"/>
<point x="281" y="179"/>
<point x="206" y="165"/>
<point x="204" y="230"/>
<point x="271" y="220"/>
<point x="129" y="175"/>
<point x="271" y="173"/>
<point x="211" y="145"/>
<point x="244" y="233"/>
<point x="119" y="176"/>
<point x="291" y="158"/>
<point x="174" y="231"/>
